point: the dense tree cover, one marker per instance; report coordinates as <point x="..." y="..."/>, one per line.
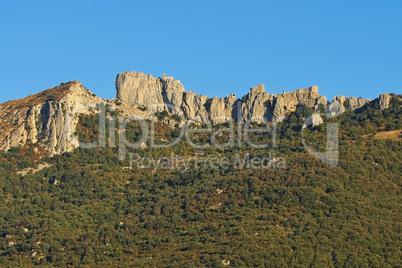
<point x="89" y="209"/>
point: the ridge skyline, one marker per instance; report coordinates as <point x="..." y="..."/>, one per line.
<point x="51" y="115"/>
<point x="111" y="93"/>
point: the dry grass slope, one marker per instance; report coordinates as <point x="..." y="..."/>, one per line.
<point x="395" y="135"/>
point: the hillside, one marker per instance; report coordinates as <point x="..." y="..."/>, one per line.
<point x="222" y="205"/>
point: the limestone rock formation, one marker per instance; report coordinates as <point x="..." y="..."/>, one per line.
<point x="256" y="104"/>
<point x="138" y="89"/>
<point x="149" y="91"/>
<point x="49" y="119"/>
<point x="288" y="101"/>
<point x="46" y="119"/>
<point x="314" y="120"/>
<point x="384" y="101"/>
<point x="341" y="104"/>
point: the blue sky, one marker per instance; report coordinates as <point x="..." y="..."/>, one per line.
<point x="351" y="48"/>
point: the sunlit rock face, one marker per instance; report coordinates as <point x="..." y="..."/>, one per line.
<point x="49" y="119"/>
<point x="138" y="89"/>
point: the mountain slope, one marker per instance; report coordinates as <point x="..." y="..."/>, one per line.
<point x="86" y="208"/>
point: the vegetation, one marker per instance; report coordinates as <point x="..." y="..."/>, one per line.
<point x="89" y="209"/>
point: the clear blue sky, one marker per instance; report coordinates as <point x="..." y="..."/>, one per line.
<point x="353" y="48"/>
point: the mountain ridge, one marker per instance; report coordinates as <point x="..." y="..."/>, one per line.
<point x="45" y="118"/>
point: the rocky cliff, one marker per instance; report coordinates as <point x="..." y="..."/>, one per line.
<point x="48" y="119"/>
<point x="138" y="89"/>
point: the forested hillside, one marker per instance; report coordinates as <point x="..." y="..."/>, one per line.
<point x="88" y="208"/>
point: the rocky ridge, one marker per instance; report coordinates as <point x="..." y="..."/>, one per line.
<point x="139" y="90"/>
<point x="49" y="119"/>
<point x="45" y="118"/>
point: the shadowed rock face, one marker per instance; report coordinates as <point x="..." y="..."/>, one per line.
<point x="138" y="89"/>
<point x="343" y="104"/>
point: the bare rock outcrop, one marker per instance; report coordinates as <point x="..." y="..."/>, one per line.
<point x="49" y="119"/>
<point x="194" y="105"/>
<point x="384" y="100"/>
<point x="138" y="89"/>
<point x="342" y="104"/>
<point x="46" y="119"/>
<point x="256" y="104"/>
<point x="149" y="91"/>
<point x="287" y="102"/>
<point x="314" y="120"/>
